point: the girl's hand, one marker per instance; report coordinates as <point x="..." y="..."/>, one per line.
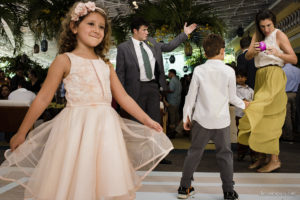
<point x="153" y="124"/>
<point x="16" y="141"/>
<point x="272" y="51"/>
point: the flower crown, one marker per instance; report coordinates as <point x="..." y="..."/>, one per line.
<point x="83" y="9"/>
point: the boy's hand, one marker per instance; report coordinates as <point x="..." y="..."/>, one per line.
<point x="247" y="103"/>
<point x="187" y="125"/>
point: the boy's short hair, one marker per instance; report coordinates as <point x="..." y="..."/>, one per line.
<point x="172" y="71"/>
<point x="137" y="23"/>
<point x="212" y="45"/>
<point x="241" y="72"/>
<point x="245" y="42"/>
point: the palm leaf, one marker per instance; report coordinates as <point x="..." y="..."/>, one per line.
<point x="11" y="12"/>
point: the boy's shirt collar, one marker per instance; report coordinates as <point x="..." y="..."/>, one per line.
<point x="215" y="60"/>
<point x="241" y="86"/>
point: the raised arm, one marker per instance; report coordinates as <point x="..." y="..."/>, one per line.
<point x="57" y="70"/>
<point x="253" y="49"/>
<point x="128" y="104"/>
<point x="179" y="39"/>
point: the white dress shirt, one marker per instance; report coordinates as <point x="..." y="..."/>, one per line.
<point x="22" y="95"/>
<point x="212" y="87"/>
<point x="152" y="60"/>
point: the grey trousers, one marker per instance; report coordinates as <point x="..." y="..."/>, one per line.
<point x="200" y="137"/>
<point x="149" y="100"/>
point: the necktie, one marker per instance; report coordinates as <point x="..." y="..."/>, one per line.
<point x="146" y="60"/>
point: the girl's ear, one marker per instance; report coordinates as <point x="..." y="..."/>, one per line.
<point x="73" y="27"/>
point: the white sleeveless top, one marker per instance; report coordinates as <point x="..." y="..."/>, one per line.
<point x="262" y="59"/>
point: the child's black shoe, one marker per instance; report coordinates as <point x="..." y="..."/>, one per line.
<point x="231" y="195"/>
<point x="184" y="193"/>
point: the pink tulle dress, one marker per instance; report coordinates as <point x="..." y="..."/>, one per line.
<point x="87" y="152"/>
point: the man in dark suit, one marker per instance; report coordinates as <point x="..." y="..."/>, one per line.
<point x="246" y="65"/>
<point x="140" y="66"/>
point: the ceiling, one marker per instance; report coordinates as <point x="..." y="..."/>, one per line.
<point x="235" y="13"/>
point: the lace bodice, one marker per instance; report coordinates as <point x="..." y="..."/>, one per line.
<point x="88" y="82"/>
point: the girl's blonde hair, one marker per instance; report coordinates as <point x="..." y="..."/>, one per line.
<point x="67" y="39"/>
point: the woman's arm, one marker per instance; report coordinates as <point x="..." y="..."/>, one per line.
<point x="127" y="103"/>
<point x="59" y="68"/>
<point x="253" y="49"/>
<point x="284" y="44"/>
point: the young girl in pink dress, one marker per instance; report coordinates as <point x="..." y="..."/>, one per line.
<point x="87" y="151"/>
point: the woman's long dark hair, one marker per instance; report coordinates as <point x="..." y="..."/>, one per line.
<point x="262" y="15"/>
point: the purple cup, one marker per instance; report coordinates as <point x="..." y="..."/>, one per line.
<point x="262" y="46"/>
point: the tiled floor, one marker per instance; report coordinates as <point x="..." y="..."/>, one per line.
<point x="163" y="186"/>
<point x="250" y="186"/>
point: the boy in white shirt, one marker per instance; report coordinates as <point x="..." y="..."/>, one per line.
<point x="212" y="87"/>
<point x="244" y="92"/>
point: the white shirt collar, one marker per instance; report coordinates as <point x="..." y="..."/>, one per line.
<point x="136" y="41"/>
<point x="238" y="85"/>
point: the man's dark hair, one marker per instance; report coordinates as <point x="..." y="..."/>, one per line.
<point x="245" y="42"/>
<point x="173" y="71"/>
<point x="22" y="83"/>
<point x="212" y="45"/>
<point x="33" y="72"/>
<point x="137" y="23"/>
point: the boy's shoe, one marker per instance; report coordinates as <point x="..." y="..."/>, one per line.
<point x="231" y="195"/>
<point x="184" y="193"/>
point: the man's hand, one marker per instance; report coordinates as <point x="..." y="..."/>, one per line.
<point x="189" y="29"/>
<point x="187" y="125"/>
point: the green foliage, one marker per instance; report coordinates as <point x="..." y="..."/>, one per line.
<point x="196" y="59"/>
<point x="13" y="14"/>
<point x="171" y="14"/>
<point x="44" y="18"/>
<point x="41" y="16"/>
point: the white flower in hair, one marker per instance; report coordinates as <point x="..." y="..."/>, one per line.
<point x="83" y="9"/>
<point x="90" y="6"/>
<point x="79" y="11"/>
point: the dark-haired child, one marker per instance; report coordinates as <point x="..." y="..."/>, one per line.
<point x="244" y="92"/>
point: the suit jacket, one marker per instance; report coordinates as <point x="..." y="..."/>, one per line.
<point x="128" y="69"/>
<point x="249" y="66"/>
